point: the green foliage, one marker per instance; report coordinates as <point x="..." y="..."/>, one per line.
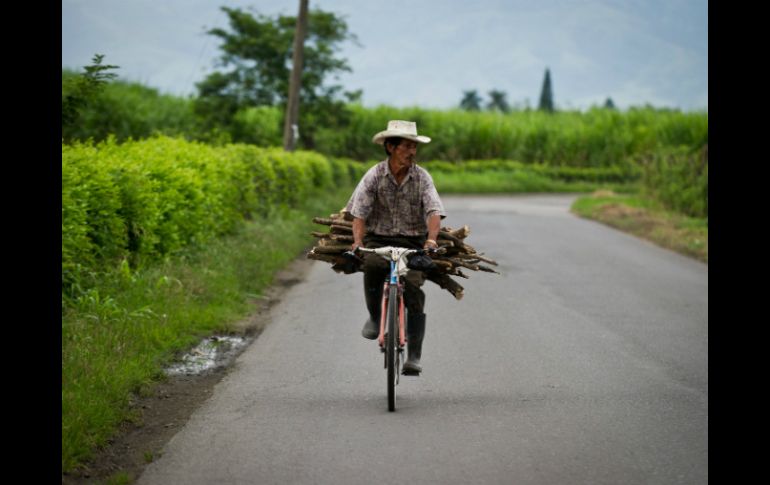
<point x="79" y="89"/>
<point x="649" y="219"/>
<point x="118" y="335"/>
<point x="678" y="178"/>
<point x="507" y="176"/>
<point x="142" y="201"/>
<point x="259" y="126"/>
<point x="257" y="52"/>
<point x="595" y="138"/>
<point x="129" y="110"/>
<point x="471" y="101"/>
<point x="497" y="102"/>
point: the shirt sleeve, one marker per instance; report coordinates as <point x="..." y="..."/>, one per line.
<point x="361" y="202"/>
<point x="430" y="199"/>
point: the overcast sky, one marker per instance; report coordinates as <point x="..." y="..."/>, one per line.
<point x="427" y="52"/>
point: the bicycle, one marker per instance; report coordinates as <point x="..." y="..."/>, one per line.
<point x="392" y="337"/>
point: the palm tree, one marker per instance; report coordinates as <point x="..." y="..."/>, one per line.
<point x="471" y="101"/>
<point x="498" y="101"/>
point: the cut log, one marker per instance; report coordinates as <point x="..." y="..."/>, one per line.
<point x="461" y="233"/>
<point x="328" y="258"/>
<point x="328" y="221"/>
<point x="447" y="283"/>
<point x="464" y="264"/>
<point x="330" y="249"/>
<point x="340" y="229"/>
<point x="444" y="265"/>
<point x="341" y="238"/>
<point x="457" y="254"/>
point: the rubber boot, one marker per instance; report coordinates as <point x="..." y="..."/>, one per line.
<point x="371" y="328"/>
<point x="415" y="331"/>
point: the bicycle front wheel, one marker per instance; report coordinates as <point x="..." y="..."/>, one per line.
<point x="391" y="345"/>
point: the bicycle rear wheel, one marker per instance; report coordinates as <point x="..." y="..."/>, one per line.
<point x="391" y="345"/>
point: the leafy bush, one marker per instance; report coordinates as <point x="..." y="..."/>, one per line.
<point x="129" y="110"/>
<point x="143" y="200"/>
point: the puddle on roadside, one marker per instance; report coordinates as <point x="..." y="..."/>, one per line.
<point x="212" y="352"/>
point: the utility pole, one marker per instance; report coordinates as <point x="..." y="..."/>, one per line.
<point x="290" y="127"/>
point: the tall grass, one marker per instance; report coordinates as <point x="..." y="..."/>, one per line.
<point x="118" y="335"/>
<point x="596" y="138"/>
<point x="678" y="178"/>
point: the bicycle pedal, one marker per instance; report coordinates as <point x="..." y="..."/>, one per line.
<point x="410" y="372"/>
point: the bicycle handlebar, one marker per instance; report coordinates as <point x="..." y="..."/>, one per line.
<point x="399" y="251"/>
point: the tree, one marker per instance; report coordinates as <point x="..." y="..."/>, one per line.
<point x="471" y="101"/>
<point x="77" y="91"/>
<point x="546" y="94"/>
<point x="608" y="104"/>
<point x="497" y="101"/>
<point x="256" y="58"/>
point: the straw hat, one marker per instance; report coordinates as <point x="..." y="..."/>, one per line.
<point x="401" y="129"/>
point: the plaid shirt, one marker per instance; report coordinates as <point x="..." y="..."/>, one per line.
<point x="390" y="209"/>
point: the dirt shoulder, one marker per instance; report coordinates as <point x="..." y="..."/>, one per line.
<point x="673" y="231"/>
<point x="170" y="404"/>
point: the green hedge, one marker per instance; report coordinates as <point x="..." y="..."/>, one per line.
<point x="142" y="200"/>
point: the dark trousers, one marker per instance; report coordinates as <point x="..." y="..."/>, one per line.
<point x="376" y="269"/>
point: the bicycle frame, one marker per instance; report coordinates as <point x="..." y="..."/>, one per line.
<point x="393" y="349"/>
<point x="397" y="258"/>
<point x="393" y="280"/>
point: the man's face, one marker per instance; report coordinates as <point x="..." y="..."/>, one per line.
<point x="403" y="155"/>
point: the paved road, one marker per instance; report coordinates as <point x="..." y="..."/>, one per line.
<point x="586" y="362"/>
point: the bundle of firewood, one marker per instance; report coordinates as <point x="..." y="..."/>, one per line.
<point x="457" y="254"/>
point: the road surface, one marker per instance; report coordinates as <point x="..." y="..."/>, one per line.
<point x="585" y="362"/>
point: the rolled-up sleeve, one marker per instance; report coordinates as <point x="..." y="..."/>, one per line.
<point x="430" y="199"/>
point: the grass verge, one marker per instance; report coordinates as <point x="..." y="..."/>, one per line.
<point x="513" y="181"/>
<point x="118" y="337"/>
<point x="647" y="219"/>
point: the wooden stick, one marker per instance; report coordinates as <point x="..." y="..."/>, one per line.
<point x="322" y="257"/>
<point x="460" y="262"/>
<point x="329" y="222"/>
<point x="340" y="229"/>
<point x="487" y="269"/>
<point x="341" y="238"/>
<point x="485" y="259"/>
<point x="330" y="249"/>
<point x="461" y="233"/>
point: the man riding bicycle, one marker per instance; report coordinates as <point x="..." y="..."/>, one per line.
<point x="396" y="204"/>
